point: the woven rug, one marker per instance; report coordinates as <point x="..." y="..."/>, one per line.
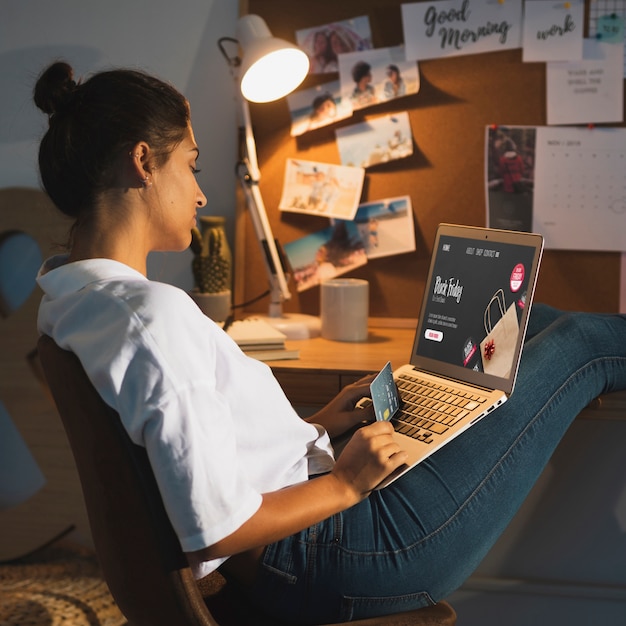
<point x="59" y="586"/>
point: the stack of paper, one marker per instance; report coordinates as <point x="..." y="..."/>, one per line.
<point x="259" y="339"/>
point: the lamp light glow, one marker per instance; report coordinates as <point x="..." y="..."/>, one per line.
<point x="271" y="67"/>
<point x="274" y="75"/>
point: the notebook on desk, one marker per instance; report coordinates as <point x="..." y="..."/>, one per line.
<point x="468" y="341"/>
<point x="260" y="340"/>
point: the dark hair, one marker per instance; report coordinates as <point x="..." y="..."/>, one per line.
<point x="95" y="124"/>
<point x="318" y="101"/>
<point x="360" y="70"/>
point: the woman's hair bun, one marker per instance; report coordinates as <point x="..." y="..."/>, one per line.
<point x="55" y="88"/>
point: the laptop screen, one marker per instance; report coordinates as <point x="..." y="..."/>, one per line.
<point x="476" y="304"/>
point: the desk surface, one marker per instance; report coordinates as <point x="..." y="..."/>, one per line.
<point x="322" y="355"/>
<point x="324" y="367"/>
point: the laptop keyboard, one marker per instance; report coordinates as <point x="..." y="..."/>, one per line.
<point x="429" y="409"/>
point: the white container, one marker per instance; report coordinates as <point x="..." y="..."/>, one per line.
<point x="344" y="309"/>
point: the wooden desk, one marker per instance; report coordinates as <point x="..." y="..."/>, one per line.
<point x="324" y="367"/>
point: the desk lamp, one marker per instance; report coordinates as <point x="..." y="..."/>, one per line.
<point x="269" y="69"/>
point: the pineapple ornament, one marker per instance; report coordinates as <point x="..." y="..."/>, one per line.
<point x="212" y="268"/>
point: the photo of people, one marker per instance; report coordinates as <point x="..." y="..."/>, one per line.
<point x="374" y="76"/>
<point x="321" y="189"/>
<point x="510" y="177"/>
<point x="325" y="254"/>
<point x="386" y="226"/>
<point x="394" y="86"/>
<point x="317" y="107"/>
<point x="363" y="93"/>
<point x="379" y="140"/>
<point x="323" y="44"/>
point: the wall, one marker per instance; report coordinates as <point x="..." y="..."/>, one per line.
<point x="458" y="98"/>
<point x="175" y="40"/>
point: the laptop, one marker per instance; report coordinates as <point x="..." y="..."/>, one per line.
<point x="468" y="342"/>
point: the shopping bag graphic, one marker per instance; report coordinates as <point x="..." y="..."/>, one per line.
<point x="497" y="349"/>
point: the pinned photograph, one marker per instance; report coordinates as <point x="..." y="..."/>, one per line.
<point x="375" y="141"/>
<point x="321" y="189"/>
<point x="386" y="227"/>
<point x="316" y="107"/>
<point x="325" y="254"/>
<point x="323" y="44"/>
<point x="373" y="76"/>
<point x="510" y="155"/>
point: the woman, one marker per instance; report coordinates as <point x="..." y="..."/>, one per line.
<point x="324" y="110"/>
<point x="240" y="473"/>
<point x="363" y="93"/>
<point x="394" y="86"/>
<point x="511" y="169"/>
<point x="322" y="58"/>
<point x="339" y="42"/>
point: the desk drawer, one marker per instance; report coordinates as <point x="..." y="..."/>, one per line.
<point x="305" y="388"/>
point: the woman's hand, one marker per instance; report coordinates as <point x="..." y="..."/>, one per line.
<point x="369" y="457"/>
<point x="341" y="413"/>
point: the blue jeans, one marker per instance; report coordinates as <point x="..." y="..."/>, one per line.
<point x="413" y="543"/>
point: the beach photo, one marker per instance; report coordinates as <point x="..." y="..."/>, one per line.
<point x="371" y="77"/>
<point x="325" y="254"/>
<point x="375" y="141"/>
<point x="326" y="43"/>
<point x="321" y="189"/>
<point x="386" y="227"/>
<point x="316" y="107"/>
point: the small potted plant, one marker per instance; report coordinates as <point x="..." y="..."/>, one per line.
<point x="212" y="268"/>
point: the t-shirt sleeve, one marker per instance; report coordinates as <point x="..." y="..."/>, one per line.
<point x="160" y="374"/>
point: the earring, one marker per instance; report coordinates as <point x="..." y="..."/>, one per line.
<point x="146" y="182"/>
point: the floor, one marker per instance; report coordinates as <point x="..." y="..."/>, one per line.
<point x="60" y="585"/>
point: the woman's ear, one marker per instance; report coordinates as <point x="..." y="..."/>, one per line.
<point x="139" y="158"/>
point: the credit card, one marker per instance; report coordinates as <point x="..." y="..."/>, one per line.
<point x="385" y="394"/>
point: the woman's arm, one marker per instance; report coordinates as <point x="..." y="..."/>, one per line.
<point x="370" y="456"/>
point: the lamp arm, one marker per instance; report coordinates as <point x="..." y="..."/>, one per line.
<point x="251" y="155"/>
<point x="249" y="176"/>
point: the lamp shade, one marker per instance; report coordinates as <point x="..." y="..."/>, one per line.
<point x="271" y="67"/>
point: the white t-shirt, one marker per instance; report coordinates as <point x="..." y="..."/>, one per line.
<point x="217" y="427"/>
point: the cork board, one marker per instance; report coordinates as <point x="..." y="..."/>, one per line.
<point x="444" y="177"/>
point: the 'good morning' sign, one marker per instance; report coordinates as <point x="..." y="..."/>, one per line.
<point x="457" y="27"/>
